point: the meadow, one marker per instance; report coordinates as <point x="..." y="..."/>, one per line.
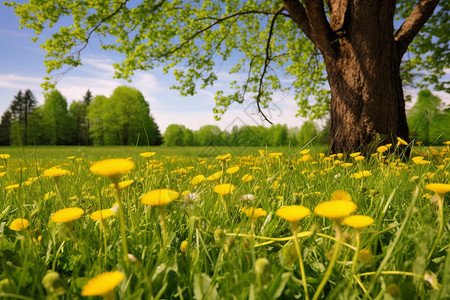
<point x="223" y="223"/>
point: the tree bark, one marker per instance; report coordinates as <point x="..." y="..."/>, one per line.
<point x="362" y="55"/>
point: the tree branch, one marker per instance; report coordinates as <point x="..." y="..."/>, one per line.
<point x="298" y="14"/>
<point x="410" y="28"/>
<point x="320" y="28"/>
<point x="266" y="64"/>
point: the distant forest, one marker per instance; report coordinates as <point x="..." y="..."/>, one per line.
<point x="125" y="119"/>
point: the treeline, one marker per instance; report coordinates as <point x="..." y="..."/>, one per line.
<point x="276" y="135"/>
<point x="122" y="119"/>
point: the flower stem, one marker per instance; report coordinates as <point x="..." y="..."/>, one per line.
<point x="337" y="247"/>
<point x="162" y="223"/>
<point x="300" y="261"/>
<point x="355" y="256"/>
<point x="122" y="223"/>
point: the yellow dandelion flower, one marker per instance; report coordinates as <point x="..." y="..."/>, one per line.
<point x="185" y="193"/>
<point x="439" y="188"/>
<point x="382" y="149"/>
<point x="358" y="221"/>
<point x="224" y="189"/>
<point x="102" y="284"/>
<point x="197" y="179"/>
<point x="335" y="209"/>
<point x="55" y="172"/>
<point x="401" y="141"/>
<point x="293" y="213"/>
<point x="232" y="170"/>
<point x="160" y="197"/>
<point x="214" y="176"/>
<point x="341" y="195"/>
<point x="147" y="154"/>
<point x="66" y="215"/>
<point x="247" y="178"/>
<point x="254" y="213"/>
<point x="123" y="184"/>
<point x="305" y="151"/>
<point x="2" y="174"/>
<point x="447" y="143"/>
<point x="70" y="157"/>
<point x="4" y="156"/>
<point x="346" y="165"/>
<point x="19" y="224"/>
<point x="355" y="154"/>
<point x="112" y="168"/>
<point x="12" y="186"/>
<point x="102" y="214"/>
<point x="184" y="246"/>
<point x="361" y="174"/>
<point x="359" y="158"/>
<point x="224" y="157"/>
<point x="276" y="154"/>
<point x="417" y="159"/>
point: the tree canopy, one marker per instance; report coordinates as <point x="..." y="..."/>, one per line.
<point x="257" y="38"/>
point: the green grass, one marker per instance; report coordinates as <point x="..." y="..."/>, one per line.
<point x="224" y="247"/>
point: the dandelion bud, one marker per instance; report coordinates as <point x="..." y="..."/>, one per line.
<point x="263" y="270"/>
<point x="364" y="255"/>
<point x="184" y="246"/>
<point x="220" y="235"/>
<point x="54" y="284"/>
<point x="288" y="255"/>
<point x="393" y="290"/>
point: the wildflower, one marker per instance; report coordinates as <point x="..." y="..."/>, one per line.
<point x="361" y="174"/>
<point x="123" y="184"/>
<point x="184" y="246"/>
<point x="417" y="159"/>
<point x="5" y="156"/>
<point x="247" y="198"/>
<point x="185" y="193"/>
<point x="12" y="186"/>
<point x="341" y="195"/>
<point x="102" y="214"/>
<point x="223" y="158"/>
<point x="159" y="197"/>
<point x="335" y="209"/>
<point x="147" y="154"/>
<point x="112" y="168"/>
<point x="346" y="165"/>
<point x="197" y="179"/>
<point x="293" y="213"/>
<point x="224" y="189"/>
<point x="439" y="188"/>
<point x="102" y="284"/>
<point x="359" y="158"/>
<point x="247" y="178"/>
<point x="19" y="224"/>
<point x="55" y="172"/>
<point x="276" y="154"/>
<point x="401" y="142"/>
<point x="214" y="176"/>
<point x="355" y="154"/>
<point x="232" y="170"/>
<point x="70" y="157"/>
<point x="382" y="149"/>
<point x="254" y="213"/>
<point x="66" y="215"/>
<point x="358" y="221"/>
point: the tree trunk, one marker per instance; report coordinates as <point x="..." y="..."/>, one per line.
<point x="364" y="77"/>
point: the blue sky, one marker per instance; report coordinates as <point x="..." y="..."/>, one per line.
<point x="22" y="67"/>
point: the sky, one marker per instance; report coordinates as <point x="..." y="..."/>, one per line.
<point x="22" y="67"/>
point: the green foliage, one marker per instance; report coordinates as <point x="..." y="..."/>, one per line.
<point x="174" y="135"/>
<point x="21" y="109"/>
<point x="428" y="122"/>
<point x="122" y="119"/>
<point x="307" y="132"/>
<point x="5" y="128"/>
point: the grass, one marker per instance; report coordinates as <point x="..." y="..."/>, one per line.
<point x="203" y="246"/>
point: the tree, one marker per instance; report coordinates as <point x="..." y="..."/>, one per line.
<point x="21" y="108"/>
<point x="5" y="128"/>
<point x="173" y="136"/>
<point x="307" y="132"/>
<point x="58" y="125"/>
<point x="356" y="46"/>
<point x="427" y="122"/>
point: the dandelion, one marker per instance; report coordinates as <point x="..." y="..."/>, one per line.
<point x="382" y="149"/>
<point x="196" y="180"/>
<point x="359" y="158"/>
<point x="147" y="154"/>
<point x="224" y="189"/>
<point x="357" y="222"/>
<point x="341" y="195"/>
<point x="183" y="246"/>
<point x="232" y="170"/>
<point x="335" y="209"/>
<point x="102" y="214"/>
<point x="66" y="215"/>
<point x="254" y="213"/>
<point x="112" y="168"/>
<point x="123" y="184"/>
<point x="12" y="186"/>
<point x="4" y="156"/>
<point x="19" y="224"/>
<point x="214" y="176"/>
<point x="223" y="158"/>
<point x="401" y="141"/>
<point x="247" y="178"/>
<point x="55" y="172"/>
<point x="439" y="188"/>
<point x="293" y="214"/>
<point x="355" y="154"/>
<point x="103" y="284"/>
<point x="159" y="197"/>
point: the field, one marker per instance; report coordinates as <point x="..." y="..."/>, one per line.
<point x="206" y="223"/>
